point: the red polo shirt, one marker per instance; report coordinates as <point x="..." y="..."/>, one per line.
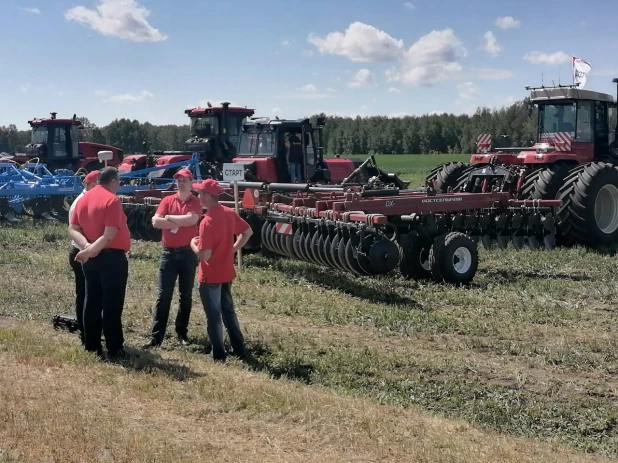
<point x="98" y="209"/>
<point x="217" y="231"/>
<point x="173" y="205"/>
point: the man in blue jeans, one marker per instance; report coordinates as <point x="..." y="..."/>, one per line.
<point x="294" y="157"/>
<point x="177" y="215"/>
<point x="216" y="248"/>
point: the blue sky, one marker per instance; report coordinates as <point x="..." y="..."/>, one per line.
<point x="151" y="59"/>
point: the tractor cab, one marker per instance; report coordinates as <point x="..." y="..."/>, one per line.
<point x="215" y="131"/>
<point x="263" y="148"/>
<point x="573" y="125"/>
<point x="54" y="141"/>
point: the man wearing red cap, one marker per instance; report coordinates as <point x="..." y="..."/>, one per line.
<point x="216" y="248"/>
<point x="177" y="217"/>
<point x="99" y="226"/>
<point x="80" y="283"/>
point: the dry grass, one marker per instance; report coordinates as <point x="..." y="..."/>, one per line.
<point x="59" y="404"/>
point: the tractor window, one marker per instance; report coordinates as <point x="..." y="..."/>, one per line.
<point x="310" y="149"/>
<point x="59" y="142"/>
<point x="248" y="144"/>
<point x="556" y="118"/>
<point x="600" y="126"/>
<point x="267" y="143"/>
<point x="39" y="134"/>
<point x="585" y="122"/>
<point x="613" y="121"/>
<point x="204" y="126"/>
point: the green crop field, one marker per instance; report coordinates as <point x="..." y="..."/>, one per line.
<point x="518" y="366"/>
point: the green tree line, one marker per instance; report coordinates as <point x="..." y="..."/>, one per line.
<point x="427" y="134"/>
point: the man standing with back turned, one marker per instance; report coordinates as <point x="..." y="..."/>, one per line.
<point x="80" y="282"/>
<point x="99" y="226"/>
<point x="216" y="248"/>
<point x="177" y="216"/>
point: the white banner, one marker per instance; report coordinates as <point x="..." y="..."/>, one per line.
<point x="580" y="69"/>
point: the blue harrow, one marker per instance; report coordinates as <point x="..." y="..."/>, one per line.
<point x="31" y="190"/>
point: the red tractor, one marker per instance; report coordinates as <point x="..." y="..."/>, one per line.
<point x="262" y="149"/>
<point x="54" y="142"/>
<point x="575" y="160"/>
<point x="214" y="134"/>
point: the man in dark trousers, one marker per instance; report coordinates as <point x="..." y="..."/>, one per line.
<point x="216" y="248"/>
<point x="295" y="157"/>
<point x="99" y="226"/>
<point x="80" y="282"/>
<point x="177" y="215"/>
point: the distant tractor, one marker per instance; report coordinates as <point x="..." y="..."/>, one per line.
<point x="262" y="149"/>
<point x="55" y="142"/>
<point x="214" y="134"/>
<point x="575" y="159"/>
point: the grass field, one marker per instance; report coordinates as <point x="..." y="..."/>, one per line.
<point x="519" y="366"/>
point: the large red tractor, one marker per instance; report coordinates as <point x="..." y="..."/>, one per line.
<point x="54" y="142"/>
<point x="214" y="134"/>
<point x="575" y="160"/>
<point x="262" y="149"/>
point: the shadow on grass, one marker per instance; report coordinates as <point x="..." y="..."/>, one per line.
<point x="149" y="362"/>
<point x="514" y="275"/>
<point x="371" y="289"/>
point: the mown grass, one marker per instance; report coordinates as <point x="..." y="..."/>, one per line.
<point x="528" y="349"/>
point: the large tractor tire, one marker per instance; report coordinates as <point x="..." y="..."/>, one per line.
<point x="589" y="211"/>
<point x="453" y="258"/>
<point x="414" y="256"/>
<point x="446" y="175"/>
<point x="545" y="182"/>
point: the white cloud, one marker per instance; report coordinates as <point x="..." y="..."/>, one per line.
<point x="408" y="5"/>
<point x="31" y="10"/>
<point x="362" y="79"/>
<point x="140" y="97"/>
<point x="331" y="90"/>
<point x="537" y="57"/>
<point x="124" y="19"/>
<point x="493" y="74"/>
<point x="359" y="43"/>
<point x="25" y="87"/>
<point x="467" y="90"/>
<point x="394" y="90"/>
<point x="434" y="58"/>
<point x="492" y="47"/>
<point x="308" y="88"/>
<point x="287" y="43"/>
<point x="507" y="22"/>
<point x="307" y="53"/>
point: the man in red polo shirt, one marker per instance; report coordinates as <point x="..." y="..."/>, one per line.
<point x="177" y="215"/>
<point x="216" y="248"/>
<point x="99" y="226"/>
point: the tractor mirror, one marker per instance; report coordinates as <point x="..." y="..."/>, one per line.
<point x="105" y="156"/>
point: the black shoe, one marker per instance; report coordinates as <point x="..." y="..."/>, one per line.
<point x="182" y="338"/>
<point x="120" y="354"/>
<point x="150" y="344"/>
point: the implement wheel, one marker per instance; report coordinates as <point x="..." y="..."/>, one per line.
<point x="414" y="256"/>
<point x="453" y="258"/>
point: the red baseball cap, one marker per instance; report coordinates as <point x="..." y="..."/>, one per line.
<point x="186" y="173"/>
<point x="92" y="177"/>
<point x="209" y="186"/>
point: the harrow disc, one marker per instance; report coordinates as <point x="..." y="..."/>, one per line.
<point x="383" y="256"/>
<point x="414" y="256"/>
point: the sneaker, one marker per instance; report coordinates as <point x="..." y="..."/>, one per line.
<point x="182" y="338"/>
<point x="150" y="344"/>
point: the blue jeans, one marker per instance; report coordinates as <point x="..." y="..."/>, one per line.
<point x="294" y="171"/>
<point x="218" y="304"/>
<point x="175" y="263"/>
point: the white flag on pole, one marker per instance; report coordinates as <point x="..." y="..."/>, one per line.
<point x="580" y="69"/>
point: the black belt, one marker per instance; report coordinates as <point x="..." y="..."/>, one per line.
<point x="178" y="249"/>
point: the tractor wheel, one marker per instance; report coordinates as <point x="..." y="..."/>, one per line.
<point x="448" y="175"/>
<point x="589" y="212"/>
<point x="453" y="258"/>
<point x="545" y="183"/>
<point x="414" y="256"/>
